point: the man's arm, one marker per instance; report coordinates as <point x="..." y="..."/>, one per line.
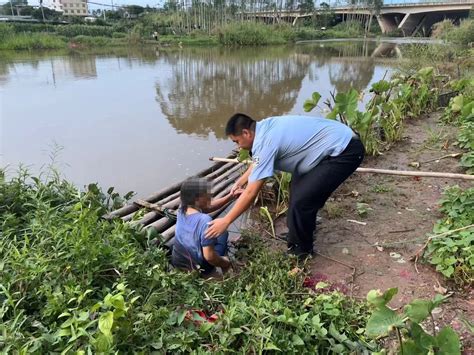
<point x="219" y="225"/>
<point x="241" y="181"/>
<point x="215" y="259"/>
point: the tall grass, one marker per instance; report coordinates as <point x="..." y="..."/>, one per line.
<point x="73" y="282"/>
<point x="253" y="34"/>
<point x="32" y="41"/>
<point x="462" y="34"/>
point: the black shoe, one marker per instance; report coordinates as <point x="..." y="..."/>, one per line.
<point x="299" y="253"/>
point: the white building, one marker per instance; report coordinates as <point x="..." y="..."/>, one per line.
<point x="68" y="7"/>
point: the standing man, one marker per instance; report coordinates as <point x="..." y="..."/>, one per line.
<point x="319" y="153"/>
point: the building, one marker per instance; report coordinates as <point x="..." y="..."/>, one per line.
<point x="68" y="7"/>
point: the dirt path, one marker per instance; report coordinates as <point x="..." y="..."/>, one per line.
<point x="401" y="209"/>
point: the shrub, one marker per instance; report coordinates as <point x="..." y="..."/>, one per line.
<point x="452" y="252"/>
<point x="249" y="33"/>
<point x="73" y="282"/>
<point x="32" y="41"/>
<point x="306" y="34"/>
<point x="119" y="35"/>
<point x="71" y="31"/>
<point x="462" y="34"/>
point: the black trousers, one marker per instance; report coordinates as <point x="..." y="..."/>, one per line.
<point x="309" y="193"/>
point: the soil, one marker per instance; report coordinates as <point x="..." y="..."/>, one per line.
<point x="401" y="209"/>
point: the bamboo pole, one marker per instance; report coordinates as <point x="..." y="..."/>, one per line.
<point x="384" y="171"/>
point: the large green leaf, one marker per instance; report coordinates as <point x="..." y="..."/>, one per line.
<point x="409" y="347"/>
<point x="418" y="310"/>
<point x="106" y="321"/>
<point x="421" y="338"/>
<point x="382" y="321"/>
<point x="313" y="102"/>
<point x="448" y="342"/>
<point x="346" y="103"/>
<point x="380" y="86"/>
<point x="377" y="298"/>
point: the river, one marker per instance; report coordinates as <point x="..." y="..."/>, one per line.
<point x="141" y="119"/>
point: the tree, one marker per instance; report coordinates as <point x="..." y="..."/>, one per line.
<point x="307" y="6"/>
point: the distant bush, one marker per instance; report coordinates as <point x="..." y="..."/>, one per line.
<point x="6" y="30"/>
<point x="33" y="28"/>
<point x="84" y="30"/>
<point x="32" y="41"/>
<point x="97" y="41"/>
<point x="306" y="34"/>
<point x="250" y="34"/>
<point x="462" y="34"/>
<point x="119" y="35"/>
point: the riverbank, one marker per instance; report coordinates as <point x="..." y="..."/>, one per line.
<point x="38" y="36"/>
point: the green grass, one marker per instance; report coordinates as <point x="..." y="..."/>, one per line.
<point x="73" y="282"/>
<point x="97" y="41"/>
<point x="33" y="41"/>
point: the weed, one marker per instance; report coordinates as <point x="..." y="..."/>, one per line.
<point x="381" y="188"/>
<point x="363" y="209"/>
<point x="381" y="124"/>
<point x="435" y="139"/>
<point x="72" y="282"/>
<point x="412" y="338"/>
<point x="333" y="210"/>
<point x="453" y="254"/>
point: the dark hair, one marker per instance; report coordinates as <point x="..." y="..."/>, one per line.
<point x="192" y="189"/>
<point x="237" y="123"/>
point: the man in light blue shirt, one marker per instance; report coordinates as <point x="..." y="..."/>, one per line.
<point x="319" y="153"/>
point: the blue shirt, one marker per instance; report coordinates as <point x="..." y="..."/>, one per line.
<point x="295" y="144"/>
<point x="190" y="239"/>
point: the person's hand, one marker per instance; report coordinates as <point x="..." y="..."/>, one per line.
<point x="237" y="192"/>
<point x="216" y="228"/>
<point x="235" y="187"/>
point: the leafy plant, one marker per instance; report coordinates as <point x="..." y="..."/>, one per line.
<point x="73" y="282"/>
<point x="363" y="209"/>
<point x="413" y="339"/>
<point x="381" y="123"/>
<point x="268" y="217"/>
<point x="453" y="252"/>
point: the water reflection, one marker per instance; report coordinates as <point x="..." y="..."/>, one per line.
<point x="206" y="87"/>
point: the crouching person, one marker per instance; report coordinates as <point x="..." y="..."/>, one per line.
<point x="191" y="250"/>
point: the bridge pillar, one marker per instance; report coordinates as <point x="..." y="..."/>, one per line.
<point x="410" y="23"/>
<point x="387" y="23"/>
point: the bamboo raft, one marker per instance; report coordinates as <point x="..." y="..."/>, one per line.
<point x="161" y="206"/>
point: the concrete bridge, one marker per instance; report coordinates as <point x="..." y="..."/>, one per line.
<point x="408" y="17"/>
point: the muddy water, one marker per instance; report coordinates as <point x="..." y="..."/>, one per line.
<point x="139" y="120"/>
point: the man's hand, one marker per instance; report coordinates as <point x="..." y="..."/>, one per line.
<point x="237" y="186"/>
<point x="216" y="228"/>
<point x="237" y="192"/>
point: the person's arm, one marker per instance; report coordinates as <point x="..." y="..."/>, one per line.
<point x="215" y="259"/>
<point x="219" y="225"/>
<point x="222" y="201"/>
<point x="242" y="181"/>
<point x="219" y="202"/>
